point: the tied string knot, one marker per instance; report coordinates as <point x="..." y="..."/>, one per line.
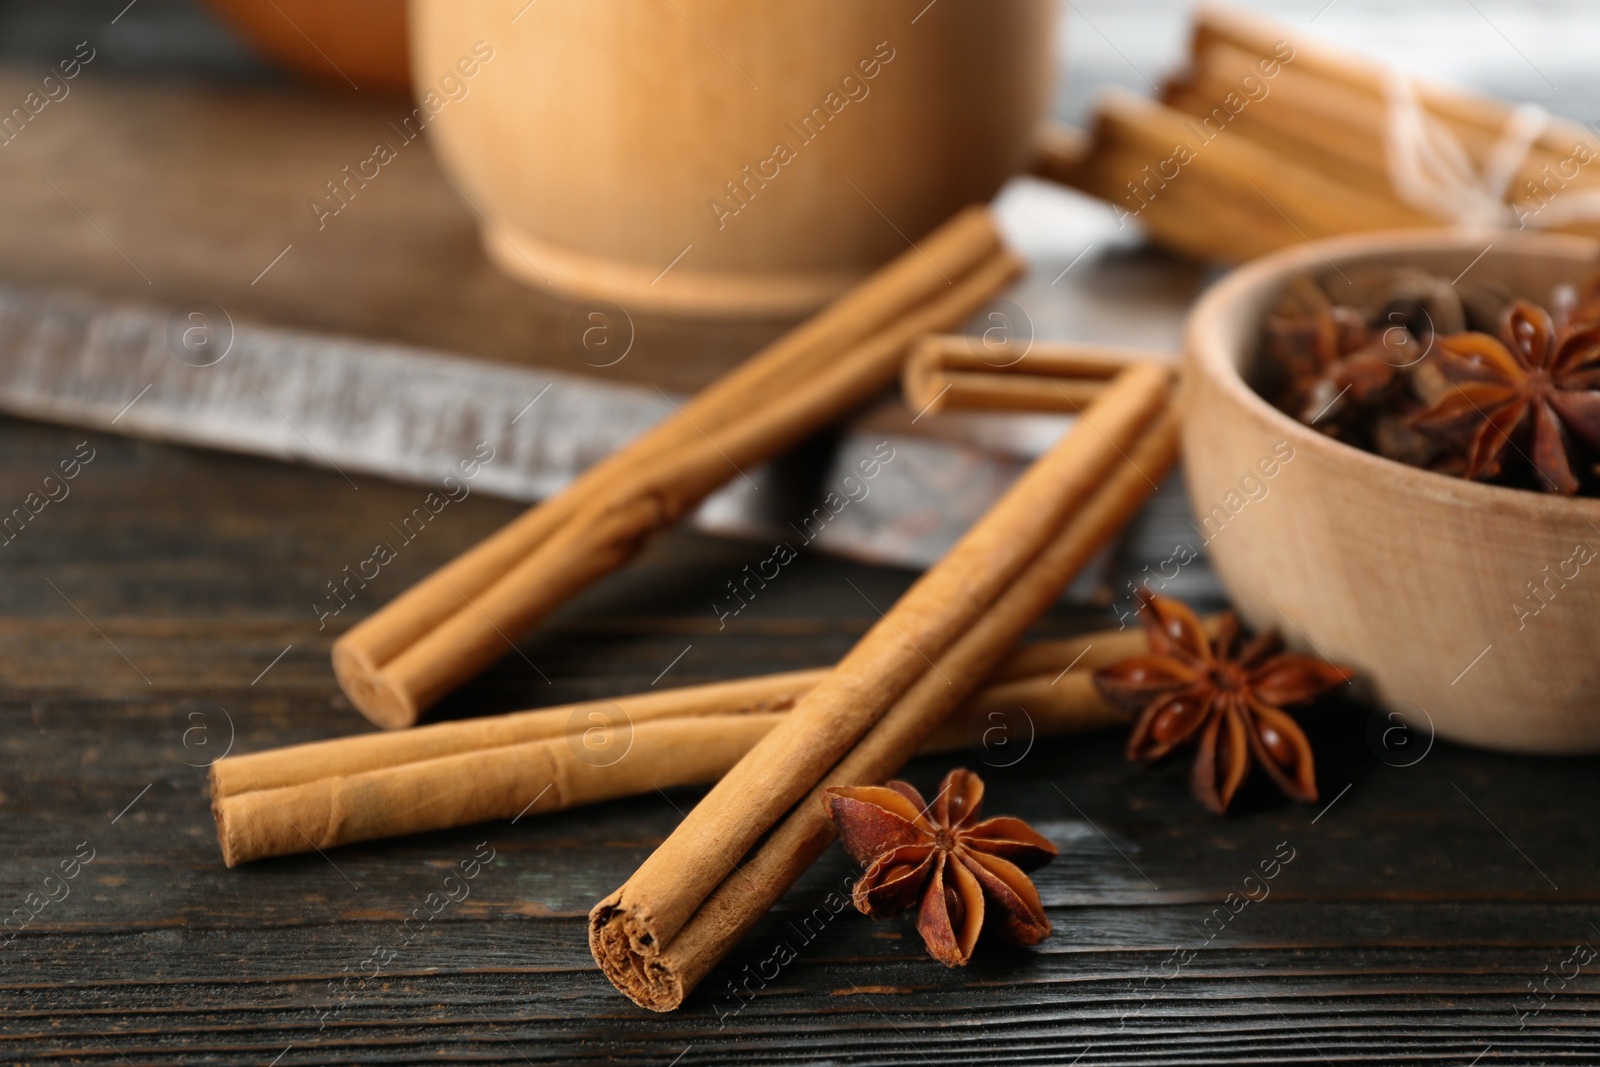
<point x="1431" y="170"/>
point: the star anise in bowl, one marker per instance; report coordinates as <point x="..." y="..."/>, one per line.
<point x="1225" y="699"/>
<point x="1334" y="364"/>
<point x="1530" y="396"/>
<point x="1453" y="376"/>
<point x="942" y="859"/>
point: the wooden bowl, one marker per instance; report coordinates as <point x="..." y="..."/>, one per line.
<point x="340" y="43"/>
<point x="1413" y="578"/>
<point x="717" y="158"/>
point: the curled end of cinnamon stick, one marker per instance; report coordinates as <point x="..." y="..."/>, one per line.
<point x="922" y="382"/>
<point x="226" y="833"/>
<point x="630" y="956"/>
<point x="362" y="681"/>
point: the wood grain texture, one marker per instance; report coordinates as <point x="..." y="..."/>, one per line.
<point x="1405" y="929"/>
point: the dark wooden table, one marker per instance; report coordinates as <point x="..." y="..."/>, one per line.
<point x="161" y="614"/>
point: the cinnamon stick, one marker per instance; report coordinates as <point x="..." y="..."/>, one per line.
<point x="1044" y="359"/>
<point x="1226" y="198"/>
<point x="397" y="662"/>
<point x="660" y="977"/>
<point x="1330" y="109"/>
<point x="1328" y="124"/>
<point x="552" y="773"/>
<point x="328" y="793"/>
<point x="1236" y="162"/>
<point x="945" y="371"/>
<point x="948" y="631"/>
<point x="608" y="530"/>
<point x="1318" y="123"/>
<point x="467" y="787"/>
<point x="1474" y="117"/>
<point x="1005" y="392"/>
<point x="345" y="756"/>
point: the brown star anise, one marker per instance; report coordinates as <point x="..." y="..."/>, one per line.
<point x="1189" y="687"/>
<point x="1336" y="364"/>
<point x="1533" y="389"/>
<point x="942" y="858"/>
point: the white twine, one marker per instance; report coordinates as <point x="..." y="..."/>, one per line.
<point x="1432" y="171"/>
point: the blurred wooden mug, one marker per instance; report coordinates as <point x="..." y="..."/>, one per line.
<point x="719" y="158"/>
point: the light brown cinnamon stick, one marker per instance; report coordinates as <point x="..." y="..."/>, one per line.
<point x="610" y="528"/>
<point x="345" y="756"/>
<point x="947" y="371"/>
<point x="1224" y="198"/>
<point x="467" y="787"/>
<point x="659" y="976"/>
<point x="404" y="657"/>
<point x="1479" y="119"/>
<point x="635" y="932"/>
<point x="563" y="770"/>
<point x="1318" y="123"/>
<point x="662" y="978"/>
<point x="1237" y="162"/>
<point x="1329" y="109"/>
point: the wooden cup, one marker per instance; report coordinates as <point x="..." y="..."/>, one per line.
<point x="1413" y="578"/>
<point x="711" y="157"/>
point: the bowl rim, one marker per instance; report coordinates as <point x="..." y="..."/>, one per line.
<point x="1210" y="319"/>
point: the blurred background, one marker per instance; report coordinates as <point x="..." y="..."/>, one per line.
<point x="1521" y="49"/>
<point x="180" y="169"/>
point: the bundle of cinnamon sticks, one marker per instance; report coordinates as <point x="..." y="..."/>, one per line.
<point x="1271" y="139"/>
<point x="763" y="823"/>
<point x="439" y="633"/>
<point x="328" y="793"/>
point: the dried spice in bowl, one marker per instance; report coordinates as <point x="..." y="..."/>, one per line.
<point x="1456" y="377"/>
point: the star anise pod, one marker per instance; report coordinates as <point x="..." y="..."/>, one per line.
<point x="941" y="858"/>
<point x="1534" y="390"/>
<point x="1335" y="364"/>
<point x="1230" y="702"/>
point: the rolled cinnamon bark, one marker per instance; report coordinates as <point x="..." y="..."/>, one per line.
<point x="1330" y="110"/>
<point x="944" y="371"/>
<point x="345" y="756"/>
<point x="493" y="783"/>
<point x="920" y="279"/>
<point x="999" y="722"/>
<point x="558" y="771"/>
<point x="1229" y="198"/>
<point x="1045" y="359"/>
<point x="1327" y="125"/>
<point x="1479" y="120"/>
<point x="609" y="529"/>
<point x="1342" y="130"/>
<point x="630" y="929"/>
<point x="1088" y="652"/>
<point x="616" y="519"/>
<point x="1307" y="155"/>
<point x="657" y="971"/>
